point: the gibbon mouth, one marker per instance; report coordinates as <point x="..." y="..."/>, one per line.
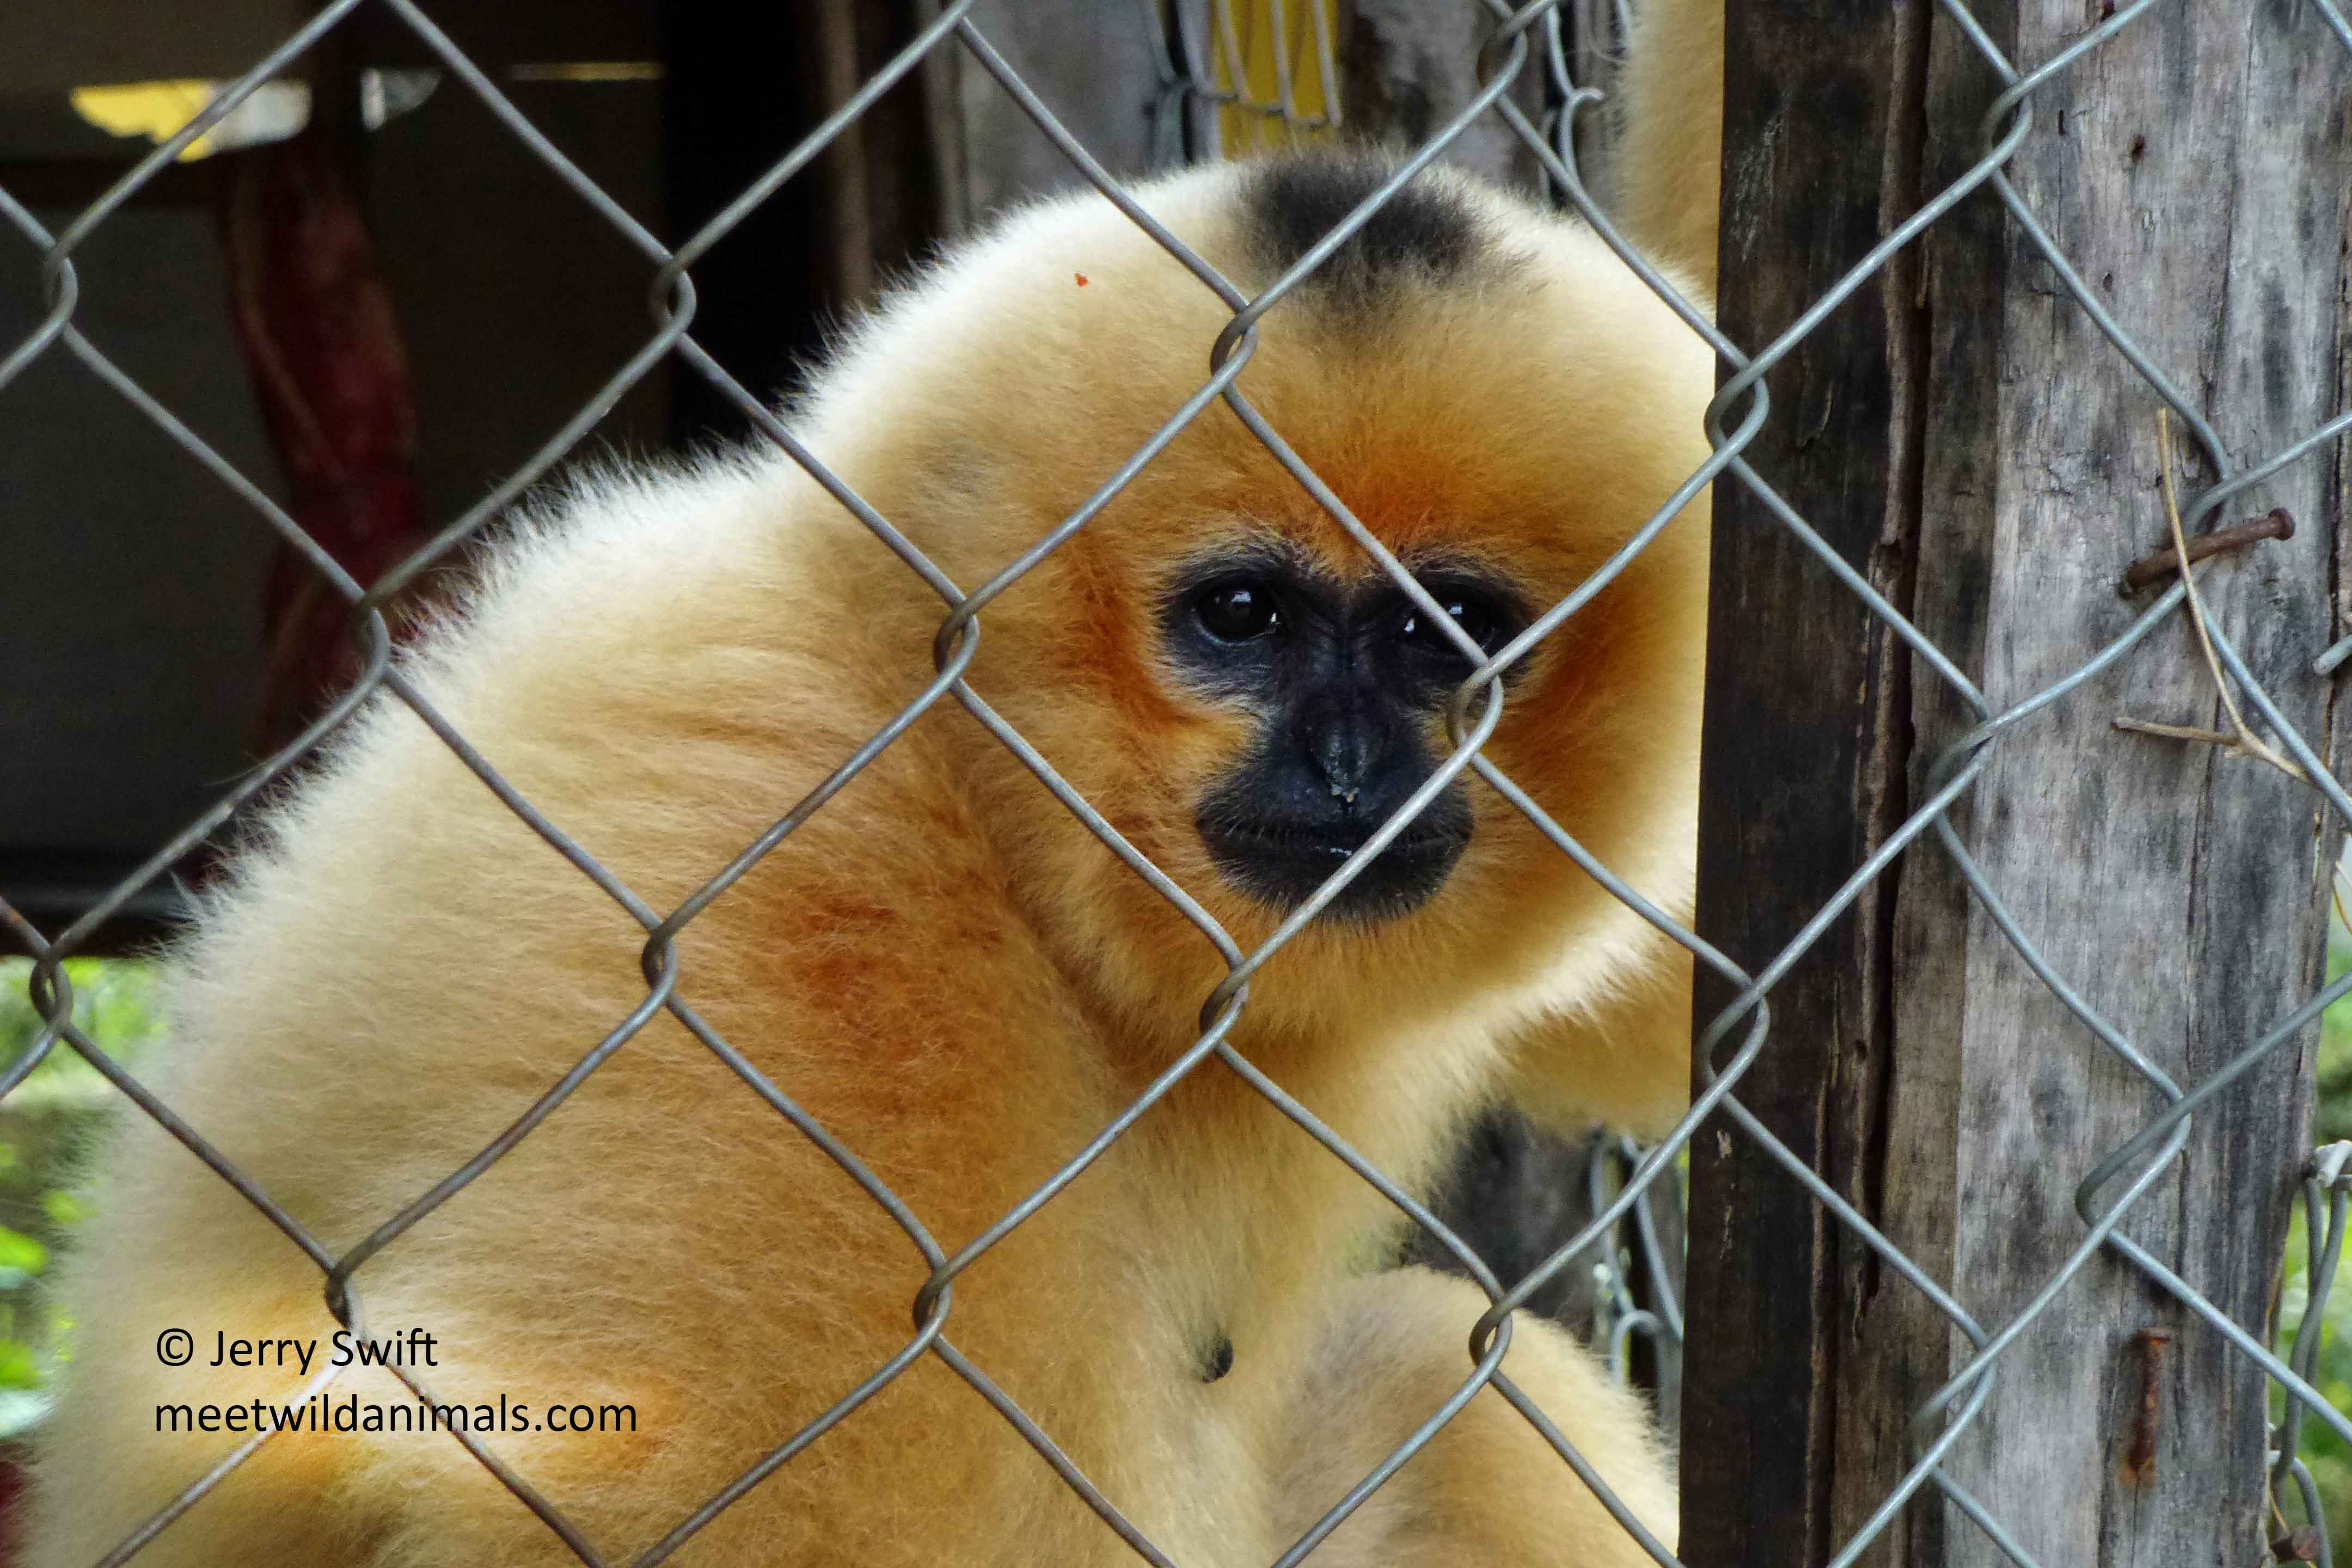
<point x="1328" y="844"/>
<point x="1282" y="863"/>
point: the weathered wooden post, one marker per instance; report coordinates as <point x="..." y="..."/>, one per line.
<point x="1963" y="435"/>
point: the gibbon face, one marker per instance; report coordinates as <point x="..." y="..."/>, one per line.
<point x="1341" y="680"/>
<point x="1226" y="675"/>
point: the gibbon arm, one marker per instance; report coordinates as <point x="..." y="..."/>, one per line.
<point x="1489" y="1489"/>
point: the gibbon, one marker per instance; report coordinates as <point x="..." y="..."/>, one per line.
<point x="943" y="966"/>
<point x="1667" y="181"/>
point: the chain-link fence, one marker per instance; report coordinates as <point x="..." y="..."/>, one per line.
<point x="1252" y="72"/>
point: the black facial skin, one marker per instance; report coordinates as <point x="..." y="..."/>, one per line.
<point x="1345" y="679"/>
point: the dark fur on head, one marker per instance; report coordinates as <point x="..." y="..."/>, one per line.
<point x="1424" y="230"/>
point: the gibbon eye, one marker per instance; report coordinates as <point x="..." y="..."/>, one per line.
<point x="1480" y="621"/>
<point x="1240" y="609"/>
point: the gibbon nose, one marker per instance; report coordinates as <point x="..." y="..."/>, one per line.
<point x="1346" y="744"/>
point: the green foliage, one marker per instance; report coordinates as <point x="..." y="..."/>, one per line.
<point x="2328" y="1458"/>
<point x="2327" y="1455"/>
<point x="113" y="1004"/>
<point x="2333" y="1121"/>
<point x="43" y="1124"/>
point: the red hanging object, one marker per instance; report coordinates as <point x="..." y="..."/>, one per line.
<point x="315" y="321"/>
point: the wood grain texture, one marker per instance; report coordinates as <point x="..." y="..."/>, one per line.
<point x="1802" y="771"/>
<point x="1963" y="433"/>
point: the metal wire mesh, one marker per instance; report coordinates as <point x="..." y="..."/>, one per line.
<point x="1218" y="71"/>
<point x="1268" y="72"/>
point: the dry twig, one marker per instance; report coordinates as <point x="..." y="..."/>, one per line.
<point x="2241" y="741"/>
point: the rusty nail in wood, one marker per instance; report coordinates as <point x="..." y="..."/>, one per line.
<point x="2141" y="1457"/>
<point x="2278" y="524"/>
<point x="2300" y="1546"/>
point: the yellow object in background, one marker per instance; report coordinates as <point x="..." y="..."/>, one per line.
<point x="1262" y="47"/>
<point x="276" y="109"/>
<point x="155" y="110"/>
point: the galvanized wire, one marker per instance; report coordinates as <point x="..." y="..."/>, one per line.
<point x="1204" y="62"/>
<point x="1211" y="59"/>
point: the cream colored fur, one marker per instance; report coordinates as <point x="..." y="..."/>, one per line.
<point x="941" y="966"/>
<point x="1670" y="131"/>
<point x="1373" y="1381"/>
